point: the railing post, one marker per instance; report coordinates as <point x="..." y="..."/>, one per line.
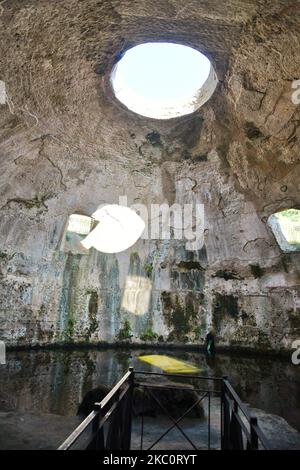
<point x="253" y="435"/>
<point x="208" y="421"/>
<point x="114" y="438"/>
<point x="222" y="412"/>
<point x="116" y="410"/>
<point x="142" y="418"/>
<point x="127" y="415"/>
<point x="99" y="440"/>
<point x="130" y="407"/>
<point x="131" y="377"/>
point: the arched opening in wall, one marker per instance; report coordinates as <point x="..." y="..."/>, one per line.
<point x="110" y="229"/>
<point x="118" y="228"/>
<point x="286" y="229"/>
<point x="163" y="80"/>
<point x="77" y="228"/>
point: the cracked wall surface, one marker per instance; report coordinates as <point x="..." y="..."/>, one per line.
<point x="67" y="145"/>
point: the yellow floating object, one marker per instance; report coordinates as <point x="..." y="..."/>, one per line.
<point x="169" y="364"/>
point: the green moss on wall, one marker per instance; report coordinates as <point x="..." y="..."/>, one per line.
<point x="92" y="311"/>
<point x="134" y="256"/>
<point x="125" y="332"/>
<point x="69" y="331"/>
<point x="180" y="314"/>
<point x="148" y="268"/>
<point x="199" y="331"/>
<point x="149" y="335"/>
<point x="68" y="298"/>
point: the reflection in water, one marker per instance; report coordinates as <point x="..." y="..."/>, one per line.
<point x="169" y="364"/>
<point x="56" y="381"/>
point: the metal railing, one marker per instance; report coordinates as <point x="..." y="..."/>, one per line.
<point x="202" y="394"/>
<point x="239" y="429"/>
<point x="109" y="426"/>
<point x="116" y="411"/>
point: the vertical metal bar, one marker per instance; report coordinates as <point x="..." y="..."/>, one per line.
<point x="209" y="420"/>
<point x="130" y="408"/>
<point x="254" y="438"/>
<point x="126" y="414"/>
<point x="95" y="430"/>
<point x="221" y="415"/>
<point x="113" y="438"/>
<point x="99" y="440"/>
<point x="142" y="422"/>
<point x="222" y="411"/>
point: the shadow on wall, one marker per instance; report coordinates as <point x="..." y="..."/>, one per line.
<point x="225" y="309"/>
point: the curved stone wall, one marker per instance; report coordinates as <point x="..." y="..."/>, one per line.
<point x="67" y="145"/>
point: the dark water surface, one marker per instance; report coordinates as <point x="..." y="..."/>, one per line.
<point x="55" y="381"/>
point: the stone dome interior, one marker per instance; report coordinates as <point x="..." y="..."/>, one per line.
<point x="68" y="146"/>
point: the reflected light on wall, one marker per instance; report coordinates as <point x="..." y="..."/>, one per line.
<point x="118" y="229"/>
<point x="136" y="297"/>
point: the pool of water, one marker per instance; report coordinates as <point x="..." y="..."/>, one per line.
<point x="44" y="381"/>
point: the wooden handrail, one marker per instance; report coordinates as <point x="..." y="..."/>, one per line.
<point x="236" y="398"/>
<point x="78" y="431"/>
<point x="265" y="442"/>
<point x="96" y="413"/>
<point x="185" y="376"/>
<point x="113" y="391"/>
<point x="252" y="420"/>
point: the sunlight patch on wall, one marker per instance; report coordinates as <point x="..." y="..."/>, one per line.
<point x="137" y="294"/>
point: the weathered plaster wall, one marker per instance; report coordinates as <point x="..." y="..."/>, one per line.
<point x="67" y="146"/>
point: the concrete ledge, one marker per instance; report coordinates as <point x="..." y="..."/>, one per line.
<point x="126" y="345"/>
